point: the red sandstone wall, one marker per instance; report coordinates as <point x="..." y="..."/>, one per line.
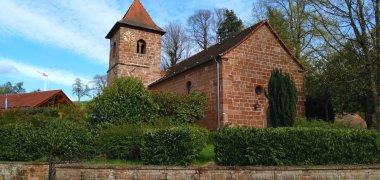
<point x="143" y="66"/>
<point x="248" y="65"/>
<point x="203" y="79"/>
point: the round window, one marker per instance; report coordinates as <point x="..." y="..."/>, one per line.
<point x="259" y="90"/>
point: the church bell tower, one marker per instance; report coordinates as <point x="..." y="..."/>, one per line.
<point x="135" y="46"/>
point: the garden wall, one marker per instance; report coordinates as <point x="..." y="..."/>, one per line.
<point x="68" y="171"/>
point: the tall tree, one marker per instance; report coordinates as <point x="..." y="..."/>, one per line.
<point x="290" y="19"/>
<point x="100" y="82"/>
<point x="230" y="26"/>
<point x="218" y="17"/>
<point x="200" y="28"/>
<point x="80" y="89"/>
<point x="175" y="44"/>
<point x="357" y="23"/>
<point x="8" y="88"/>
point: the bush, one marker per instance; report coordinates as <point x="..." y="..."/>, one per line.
<point x="126" y="101"/>
<point x="181" y="108"/>
<point x="27" y="142"/>
<point x="173" y="146"/>
<point x="295" y="146"/>
<point x="19" y="142"/>
<point x="282" y="96"/>
<point x="120" y="142"/>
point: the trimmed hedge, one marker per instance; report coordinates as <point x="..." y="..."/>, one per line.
<point x="173" y="146"/>
<point x="296" y="146"/>
<point x="120" y="142"/>
<point x="181" y="108"/>
<point x="27" y="141"/>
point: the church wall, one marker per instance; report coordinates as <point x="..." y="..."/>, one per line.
<point x="247" y="66"/>
<point x="203" y="79"/>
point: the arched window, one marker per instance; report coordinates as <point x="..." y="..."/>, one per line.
<point x="113" y="49"/>
<point x="141" y="46"/>
<point x="189" y="86"/>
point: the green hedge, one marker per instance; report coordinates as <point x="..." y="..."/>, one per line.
<point x="173" y="146"/>
<point x="296" y="146"/>
<point x="120" y="142"/>
<point x="66" y="140"/>
<point x="181" y="108"/>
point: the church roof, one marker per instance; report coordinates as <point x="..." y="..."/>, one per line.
<point x="220" y="49"/>
<point x="136" y="17"/>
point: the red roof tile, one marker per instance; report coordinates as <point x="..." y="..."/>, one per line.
<point x="34" y="99"/>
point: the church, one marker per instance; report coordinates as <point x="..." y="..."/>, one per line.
<point x="233" y="73"/>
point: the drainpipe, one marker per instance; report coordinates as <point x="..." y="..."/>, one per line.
<point x="217" y="90"/>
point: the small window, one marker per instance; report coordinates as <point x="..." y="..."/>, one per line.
<point x="259" y="90"/>
<point x="141" y="47"/>
<point x="189" y="86"/>
<point x="113" y="49"/>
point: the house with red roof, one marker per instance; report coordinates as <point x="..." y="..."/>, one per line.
<point x="54" y="98"/>
<point x="233" y="73"/>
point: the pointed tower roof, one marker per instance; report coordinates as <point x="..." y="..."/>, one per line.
<point x="136" y="17"/>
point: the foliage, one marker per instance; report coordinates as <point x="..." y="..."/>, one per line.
<point x="282" y="96"/>
<point x="315" y="123"/>
<point x="173" y="146"/>
<point x="8" y="88"/>
<point x="230" y="26"/>
<point x="80" y="89"/>
<point x="181" y="108"/>
<point x="25" y="141"/>
<point x="295" y="146"/>
<point x="120" y="142"/>
<point x="126" y="101"/>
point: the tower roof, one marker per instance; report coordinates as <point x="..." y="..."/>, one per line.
<point x="136" y="17"/>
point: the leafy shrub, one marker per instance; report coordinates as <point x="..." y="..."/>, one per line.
<point x="120" y="142"/>
<point x="296" y="146"/>
<point x="19" y="142"/>
<point x="173" y="146"/>
<point x="319" y="123"/>
<point x="26" y="141"/>
<point x="126" y="101"/>
<point x="282" y="96"/>
<point x="181" y="108"/>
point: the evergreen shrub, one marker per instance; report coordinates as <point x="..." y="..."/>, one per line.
<point x="125" y="101"/>
<point x="282" y="96"/>
<point x="173" y="146"/>
<point x="120" y="142"/>
<point x="295" y="146"/>
<point x="181" y="109"/>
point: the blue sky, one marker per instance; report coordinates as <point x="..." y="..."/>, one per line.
<point x="65" y="38"/>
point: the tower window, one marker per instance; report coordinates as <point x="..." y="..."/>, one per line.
<point x="141" y="46"/>
<point x="189" y="86"/>
<point x="113" y="49"/>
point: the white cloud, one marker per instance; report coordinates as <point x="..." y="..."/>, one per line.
<point x="26" y="71"/>
<point x="79" y="26"/>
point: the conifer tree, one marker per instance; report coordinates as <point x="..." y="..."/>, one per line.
<point x="282" y="96"/>
<point x="231" y="26"/>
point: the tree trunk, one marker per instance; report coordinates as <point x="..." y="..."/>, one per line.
<point x="51" y="168"/>
<point x="326" y="106"/>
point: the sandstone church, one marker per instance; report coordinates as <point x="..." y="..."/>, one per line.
<point x="233" y="73"/>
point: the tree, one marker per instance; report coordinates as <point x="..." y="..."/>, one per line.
<point x="8" y="88"/>
<point x="200" y="28"/>
<point x="357" y="23"/>
<point x="282" y="96"/>
<point x="230" y="27"/>
<point x="175" y="44"/>
<point x="218" y="17"/>
<point x="80" y="89"/>
<point x="100" y="82"/>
